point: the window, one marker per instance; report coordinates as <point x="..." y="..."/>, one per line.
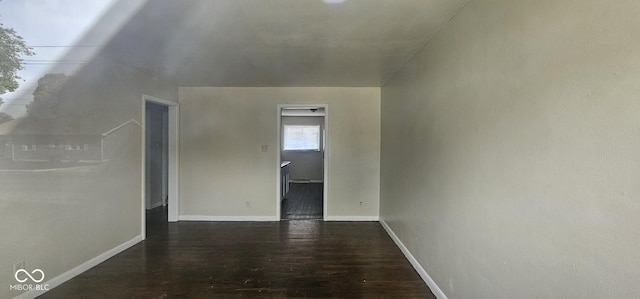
<point x="301" y="138"/>
<point x="28" y="147"/>
<point x="73" y="147"/>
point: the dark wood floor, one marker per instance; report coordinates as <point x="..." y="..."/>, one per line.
<point x="288" y="259"/>
<point x="303" y="201"/>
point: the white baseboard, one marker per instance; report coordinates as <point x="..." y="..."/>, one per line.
<point x="227" y="218"/>
<point x="352" y="218"/>
<point x="427" y="279"/>
<point x="155" y="205"/>
<point x="64" y="277"/>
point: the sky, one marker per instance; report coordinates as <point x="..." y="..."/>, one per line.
<point x="50" y="27"/>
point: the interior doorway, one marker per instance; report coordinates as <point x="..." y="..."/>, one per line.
<point x="159" y="162"/>
<point x="156" y="163"/>
<point x="302" y="168"/>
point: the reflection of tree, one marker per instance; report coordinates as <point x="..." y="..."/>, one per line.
<point x="12" y="46"/>
<point x="102" y="93"/>
<point x="4" y="117"/>
<point x="46" y="97"/>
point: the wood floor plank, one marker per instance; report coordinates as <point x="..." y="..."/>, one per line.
<point x="303" y="201"/>
<point x="289" y="259"/>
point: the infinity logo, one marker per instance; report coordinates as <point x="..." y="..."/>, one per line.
<point x="27" y="274"/>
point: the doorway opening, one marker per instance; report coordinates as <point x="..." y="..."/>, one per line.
<point x="156" y="164"/>
<point x="302" y="167"/>
<point x="159" y="163"/>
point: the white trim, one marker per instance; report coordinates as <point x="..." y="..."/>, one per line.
<point x="227" y="218"/>
<point x="279" y="196"/>
<point x="147" y="169"/>
<point x="143" y="166"/>
<point x="173" y="179"/>
<point x="66" y="276"/>
<point x="173" y="155"/>
<point x="165" y="157"/>
<point x="159" y="100"/>
<point x="303" y="111"/>
<point x="325" y="165"/>
<point x="325" y="157"/>
<point x="352" y="218"/>
<point x="416" y="265"/>
<point x="286" y="113"/>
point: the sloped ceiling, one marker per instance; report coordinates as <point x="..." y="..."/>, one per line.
<point x="279" y="42"/>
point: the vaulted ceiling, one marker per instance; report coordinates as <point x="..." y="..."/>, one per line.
<point x="279" y="42"/>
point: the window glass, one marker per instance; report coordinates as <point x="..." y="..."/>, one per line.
<point x="301" y="138"/>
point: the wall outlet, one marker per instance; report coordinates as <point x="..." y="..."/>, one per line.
<point x="248" y="204"/>
<point x="18" y="265"/>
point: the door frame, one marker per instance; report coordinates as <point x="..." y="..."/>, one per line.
<point x="173" y="158"/>
<point x="325" y="163"/>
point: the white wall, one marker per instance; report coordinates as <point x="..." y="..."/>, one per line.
<point x="305" y="165"/>
<point x="224" y="173"/>
<point x="510" y="151"/>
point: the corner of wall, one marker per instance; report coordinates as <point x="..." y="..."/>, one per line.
<point x="435" y="289"/>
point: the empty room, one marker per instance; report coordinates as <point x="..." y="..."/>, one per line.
<point x="320" y="149"/>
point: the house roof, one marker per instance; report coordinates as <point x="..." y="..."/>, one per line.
<point x="131" y="121"/>
<point x="31" y="126"/>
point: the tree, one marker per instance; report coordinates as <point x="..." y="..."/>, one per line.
<point x="3" y="116"/>
<point x="12" y="47"/>
<point x="46" y="96"/>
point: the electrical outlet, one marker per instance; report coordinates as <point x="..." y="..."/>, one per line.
<point x="248" y="204"/>
<point x="18" y="265"/>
